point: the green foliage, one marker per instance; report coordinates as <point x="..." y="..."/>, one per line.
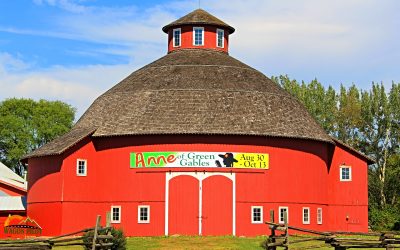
<point x="384" y="219"/>
<point x="26" y="124"/>
<point x="119" y="240"/>
<point x="368" y="121"/>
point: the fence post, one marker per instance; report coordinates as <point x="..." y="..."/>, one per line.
<point x="108" y="219"/>
<point x="285" y="220"/>
<point x="272" y="219"/>
<point x="95" y="232"/>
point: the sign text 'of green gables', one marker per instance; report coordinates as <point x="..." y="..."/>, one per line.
<point x="199" y="159"/>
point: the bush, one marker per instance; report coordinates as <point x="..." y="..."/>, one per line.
<point x="119" y="239"/>
<point x="384" y="219"/>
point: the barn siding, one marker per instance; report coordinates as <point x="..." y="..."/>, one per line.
<point x="298" y="177"/>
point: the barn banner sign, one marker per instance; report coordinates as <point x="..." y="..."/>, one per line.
<point x="199" y="159"/>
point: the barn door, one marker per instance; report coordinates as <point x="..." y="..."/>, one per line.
<point x="183" y="212"/>
<point x="217" y="202"/>
<point x="200" y="204"/>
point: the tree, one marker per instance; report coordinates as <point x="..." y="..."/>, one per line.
<point x="368" y="121"/>
<point x="25" y="125"/>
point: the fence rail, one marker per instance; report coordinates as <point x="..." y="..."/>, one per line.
<point x="388" y="240"/>
<point x="100" y="239"/>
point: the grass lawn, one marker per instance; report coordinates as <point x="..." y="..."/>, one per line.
<point x="209" y="242"/>
<point x="194" y="242"/>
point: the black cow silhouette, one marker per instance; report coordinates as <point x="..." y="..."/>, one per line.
<point x="228" y="160"/>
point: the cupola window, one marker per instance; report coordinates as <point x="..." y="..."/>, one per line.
<point x="220" y="38"/>
<point x="198" y="36"/>
<point x="177" y="37"/>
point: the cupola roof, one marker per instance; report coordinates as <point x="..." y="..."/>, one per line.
<point x="198" y="17"/>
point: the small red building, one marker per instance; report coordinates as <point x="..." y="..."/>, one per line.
<point x="197" y="143"/>
<point x="12" y="195"/>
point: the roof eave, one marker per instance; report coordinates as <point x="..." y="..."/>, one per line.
<point x="166" y="28"/>
<point x="368" y="159"/>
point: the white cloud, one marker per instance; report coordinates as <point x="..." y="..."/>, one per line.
<point x="43" y="85"/>
<point x="78" y="86"/>
<point x="11" y="63"/>
<point x="295" y="30"/>
<point x="68" y="5"/>
<point x="343" y="40"/>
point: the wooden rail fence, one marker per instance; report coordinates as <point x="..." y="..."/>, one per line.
<point x="387" y="240"/>
<point x="97" y="238"/>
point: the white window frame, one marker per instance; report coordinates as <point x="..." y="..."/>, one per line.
<point x="281" y="218"/>
<point x="223" y="38"/>
<point x="261" y="215"/>
<point x="340" y="173"/>
<point x="120" y="214"/>
<point x="194" y="36"/>
<point x="77" y="167"/>
<point x="148" y="214"/>
<point x="319" y="216"/>
<point x="180" y="37"/>
<point x="309" y="215"/>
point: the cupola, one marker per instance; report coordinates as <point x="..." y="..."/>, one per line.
<point x="198" y="30"/>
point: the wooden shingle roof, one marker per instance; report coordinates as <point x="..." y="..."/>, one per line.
<point x="198" y="17"/>
<point x="193" y="91"/>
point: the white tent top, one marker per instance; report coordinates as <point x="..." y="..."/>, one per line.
<point x="7" y="176"/>
<point x="13" y="203"/>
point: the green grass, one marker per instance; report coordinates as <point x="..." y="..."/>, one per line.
<point x="194" y="242"/>
<point x="210" y="242"/>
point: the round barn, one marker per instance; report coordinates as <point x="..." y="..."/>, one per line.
<point x="197" y="143"/>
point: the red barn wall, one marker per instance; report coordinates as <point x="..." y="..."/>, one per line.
<point x="348" y="199"/>
<point x="210" y="38"/>
<point x="299" y="176"/>
<point x="45" y="193"/>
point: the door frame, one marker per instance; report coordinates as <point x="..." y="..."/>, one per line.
<point x="200" y="176"/>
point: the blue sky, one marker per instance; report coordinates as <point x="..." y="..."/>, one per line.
<point x="74" y="50"/>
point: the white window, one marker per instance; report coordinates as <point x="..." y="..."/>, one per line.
<point x="306" y="215"/>
<point x="198" y="36"/>
<point x="256" y="214"/>
<point x="345" y="173"/>
<point x="81" y="167"/>
<point x="220" y="38"/>
<point x="176" y="38"/>
<point x="143" y="214"/>
<point x="115" y="214"/>
<point x="282" y="211"/>
<point x="319" y="216"/>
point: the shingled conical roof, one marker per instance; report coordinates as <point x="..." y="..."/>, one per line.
<point x="193" y="91"/>
<point x="198" y="17"/>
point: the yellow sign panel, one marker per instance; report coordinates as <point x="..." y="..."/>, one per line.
<point x="251" y="160"/>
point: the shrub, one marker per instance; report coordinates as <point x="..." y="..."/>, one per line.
<point x="119" y="239"/>
<point x="384" y="219"/>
